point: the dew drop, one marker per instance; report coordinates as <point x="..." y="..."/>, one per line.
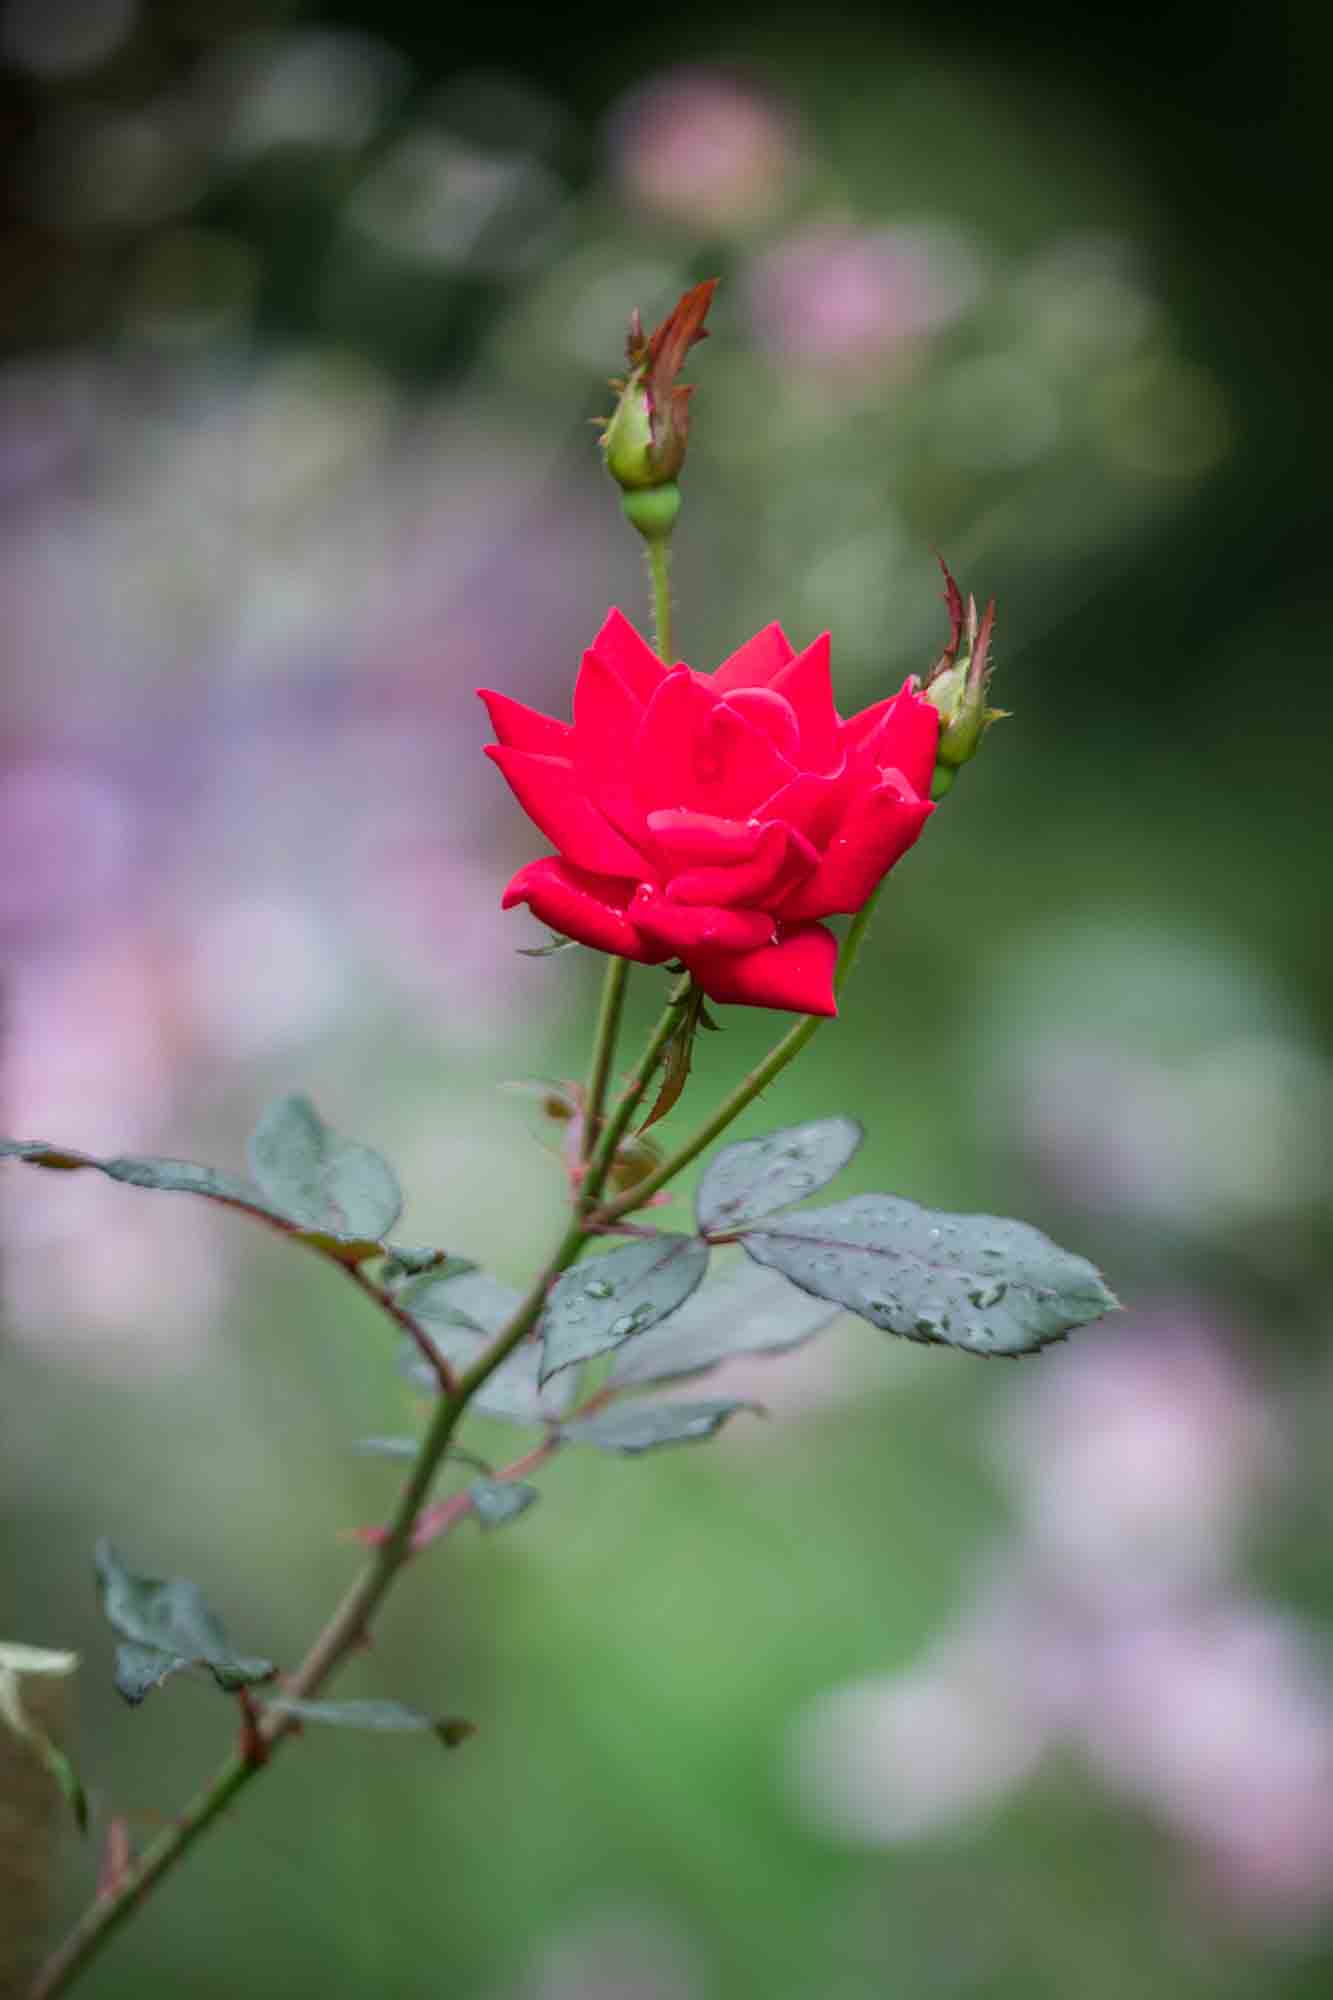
<point x="598" y="1288"/>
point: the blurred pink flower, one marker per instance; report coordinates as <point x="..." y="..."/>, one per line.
<point x="840" y="295"/>
<point x="706" y="149"/>
<point x="1221" y="1722"/>
<point x="898" y="1757"/>
<point x="1135" y="1462"/>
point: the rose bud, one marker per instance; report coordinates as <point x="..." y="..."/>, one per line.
<point x="957" y="686"/>
<point x="644" y="442"/>
<point x="715" y="818"/>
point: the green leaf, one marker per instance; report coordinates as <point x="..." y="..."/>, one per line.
<point x="320" y="1180"/>
<point x="599" y="1305"/>
<point x="749" y="1311"/>
<point x="184" y="1177"/>
<point x="555" y="943"/>
<point x="757" y="1176"/>
<point x="388" y="1447"/>
<point x="636" y="1427"/>
<point x="384" y="1717"/>
<point x="677" y="1058"/>
<point x="167" y="1626"/>
<point x="140" y="1669"/>
<point x="461" y="1316"/>
<point x="495" y="1501"/>
<point x="972" y="1281"/>
<point x="18" y="1663"/>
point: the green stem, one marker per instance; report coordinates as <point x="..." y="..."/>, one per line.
<point x="604" y="1048"/>
<point x="658" y="555"/>
<point x="599" y="1166"/>
<point x="744" y="1094"/>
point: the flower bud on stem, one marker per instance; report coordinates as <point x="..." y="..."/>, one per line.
<point x="957" y="686"/>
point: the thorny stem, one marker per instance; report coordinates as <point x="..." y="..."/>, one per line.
<point x="425" y="1346"/>
<point x="616" y="1125"/>
<point x="604" y="1048"/>
<point x="658" y="557"/>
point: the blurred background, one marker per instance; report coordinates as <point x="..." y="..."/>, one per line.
<point x="949" y="1680"/>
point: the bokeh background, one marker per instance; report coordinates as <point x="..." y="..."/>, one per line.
<point x="948" y="1680"/>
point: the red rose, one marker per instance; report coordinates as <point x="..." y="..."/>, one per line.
<point x="713" y="817"/>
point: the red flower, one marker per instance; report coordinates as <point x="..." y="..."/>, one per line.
<point x="714" y="817"/>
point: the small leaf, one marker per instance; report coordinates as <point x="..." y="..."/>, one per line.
<point x="168" y="1626"/>
<point x="748" y="1311"/>
<point x="461" y="1316"/>
<point x="548" y="950"/>
<point x="168" y="1176"/>
<point x="318" y="1179"/>
<point x="635" y="1427"/>
<point x="495" y="1501"/>
<point x="388" y="1447"/>
<point x="140" y="1669"/>
<point x="17" y="1663"/>
<point x="177" y="1177"/>
<point x="677" y="1057"/>
<point x="387" y="1716"/>
<point x="972" y="1281"/>
<point x="757" y="1176"/>
<point x="599" y="1305"/>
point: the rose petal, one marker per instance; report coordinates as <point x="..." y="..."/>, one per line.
<point x="687" y="839"/>
<point x="695" y="752"/>
<point x="551" y="796"/>
<point x="628" y="654"/>
<point x="781" y="861"/>
<point x="607" y="717"/>
<point x="756" y="662"/>
<point x="683" y="929"/>
<point x="899" y="734"/>
<point x="773" y="717"/>
<point x="524" y="728"/>
<point x="879" y="828"/>
<point x="808" y="685"/>
<point x="590" y="908"/>
<point x="815" y="806"/>
<point x="795" y="973"/>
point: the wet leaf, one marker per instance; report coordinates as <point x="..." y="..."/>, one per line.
<point x="383" y="1717"/>
<point x="495" y="1501"/>
<point x="321" y="1181"/>
<point x="635" y="1427"/>
<point x="596" y="1306"/>
<point x="757" y="1176"/>
<point x="748" y="1311"/>
<point x="977" y="1282"/>
<point x="169" y="1176"/>
<point x="167" y="1626"/>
